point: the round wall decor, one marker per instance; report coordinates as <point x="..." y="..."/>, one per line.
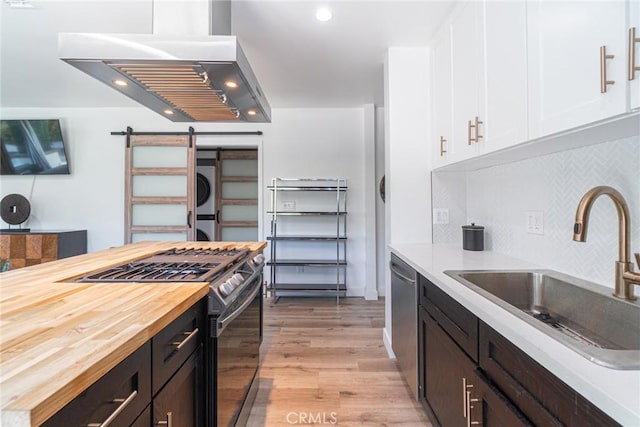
<point x="14" y="209"/>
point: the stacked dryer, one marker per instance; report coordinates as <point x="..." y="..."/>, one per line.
<point x="206" y="199"/>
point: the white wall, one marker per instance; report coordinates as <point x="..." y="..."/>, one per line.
<point x="298" y="142"/>
<point x="498" y="197"/>
<point x="380" y="205"/>
<point x="324" y="143"/>
<point x="407" y="154"/>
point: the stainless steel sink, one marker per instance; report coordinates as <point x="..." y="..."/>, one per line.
<point x="581" y="315"/>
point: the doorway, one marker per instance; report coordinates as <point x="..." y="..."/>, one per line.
<point x="227" y="194"/>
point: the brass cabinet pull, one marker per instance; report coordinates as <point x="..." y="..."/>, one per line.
<point x="477" y="127"/>
<point x="442" y="150"/>
<point x="123" y="404"/>
<point x="469" y="407"/>
<point x="189" y="335"/>
<point x="168" y="423"/>
<point x="632" y="53"/>
<point x="465" y="397"/>
<point x="603" y="69"/>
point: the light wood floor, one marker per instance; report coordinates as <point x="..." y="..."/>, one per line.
<point x="325" y="364"/>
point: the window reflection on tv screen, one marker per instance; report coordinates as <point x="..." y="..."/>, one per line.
<point x="32" y="147"/>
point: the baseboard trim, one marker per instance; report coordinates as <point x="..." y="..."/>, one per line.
<point x="386" y="339"/>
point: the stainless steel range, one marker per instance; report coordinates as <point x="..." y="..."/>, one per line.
<point x="234" y="324"/>
<point x="225" y="269"/>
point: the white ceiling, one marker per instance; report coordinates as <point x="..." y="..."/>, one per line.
<point x="299" y="61"/>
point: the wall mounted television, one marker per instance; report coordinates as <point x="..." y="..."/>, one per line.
<point x="32" y="147"/>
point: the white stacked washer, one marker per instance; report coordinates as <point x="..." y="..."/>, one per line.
<point x="206" y="199"/>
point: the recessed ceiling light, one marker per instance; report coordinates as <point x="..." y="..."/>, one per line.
<point x="251" y="112"/>
<point x="323" y="14"/>
<point x="231" y="84"/>
<point x="19" y="4"/>
<point x="120" y="82"/>
<point x="168" y="112"/>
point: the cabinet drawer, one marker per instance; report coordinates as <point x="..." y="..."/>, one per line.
<point x="540" y="395"/>
<point x="458" y="322"/>
<point x="180" y="401"/>
<point x="173" y="345"/>
<point x="120" y="395"/>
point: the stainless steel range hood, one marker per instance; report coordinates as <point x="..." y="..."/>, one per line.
<point x="185" y="77"/>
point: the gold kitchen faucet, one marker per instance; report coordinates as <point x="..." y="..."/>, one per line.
<point x="625" y="276"/>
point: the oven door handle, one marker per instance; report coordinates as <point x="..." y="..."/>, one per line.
<point x="224" y="322"/>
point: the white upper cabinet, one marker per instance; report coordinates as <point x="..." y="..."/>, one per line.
<point x="633" y="54"/>
<point x="505" y="74"/>
<point x="577" y="63"/>
<point x="466" y="78"/>
<point x="441" y="97"/>
<point x="486" y="79"/>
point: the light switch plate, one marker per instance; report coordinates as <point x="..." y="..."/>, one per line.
<point x="535" y="222"/>
<point x="440" y="216"/>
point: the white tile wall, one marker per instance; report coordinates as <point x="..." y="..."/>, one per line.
<point x="498" y="198"/>
<point x="449" y="191"/>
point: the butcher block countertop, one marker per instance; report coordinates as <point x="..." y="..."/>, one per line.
<point x="58" y="337"/>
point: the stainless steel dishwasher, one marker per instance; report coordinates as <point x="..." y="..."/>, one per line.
<point x="404" y="320"/>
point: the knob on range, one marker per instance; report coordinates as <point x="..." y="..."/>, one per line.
<point x="258" y="259"/>
<point x="226" y="288"/>
<point x="238" y="277"/>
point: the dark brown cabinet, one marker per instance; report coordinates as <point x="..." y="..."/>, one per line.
<point x="469" y="374"/>
<point x="173" y="345"/>
<point x="144" y="420"/>
<point x="454" y="392"/>
<point x="161" y="383"/>
<point x="540" y="395"/>
<point x="179" y="403"/>
<point x="118" y="397"/>
<point x="448" y="376"/>
<point x="489" y="407"/>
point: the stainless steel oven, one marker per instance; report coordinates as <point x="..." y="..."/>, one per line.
<point x="234" y="349"/>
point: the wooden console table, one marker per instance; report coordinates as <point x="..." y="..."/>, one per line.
<point x="38" y="246"/>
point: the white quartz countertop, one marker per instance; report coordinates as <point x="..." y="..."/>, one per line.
<point x="616" y="392"/>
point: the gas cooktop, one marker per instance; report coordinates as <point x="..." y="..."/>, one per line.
<point x="172" y="265"/>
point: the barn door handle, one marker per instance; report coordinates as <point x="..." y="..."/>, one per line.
<point x="218" y="216"/>
<point x="189" y="219"/>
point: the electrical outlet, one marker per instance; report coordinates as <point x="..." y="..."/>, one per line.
<point x="288" y="205"/>
<point x="441" y="216"/>
<point x="535" y="222"/>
